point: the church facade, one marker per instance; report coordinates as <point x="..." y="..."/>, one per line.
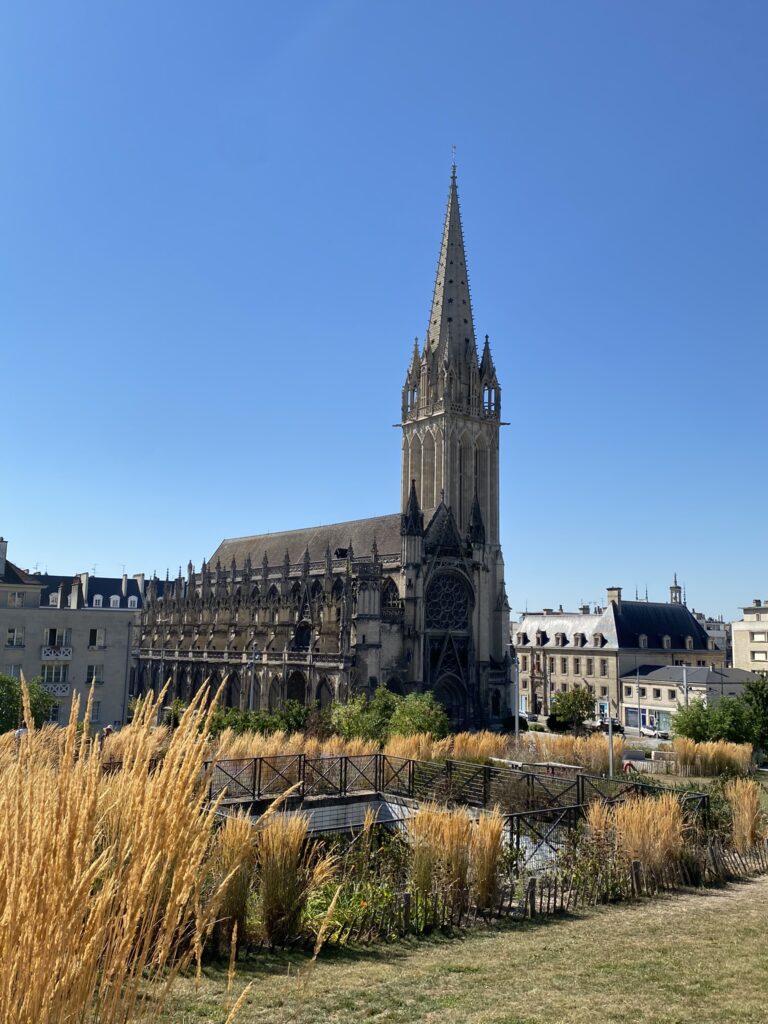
<point x="414" y="601"/>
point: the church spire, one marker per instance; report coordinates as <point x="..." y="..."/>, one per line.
<point x="451" y="328"/>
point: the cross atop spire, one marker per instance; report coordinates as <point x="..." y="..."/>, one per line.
<point x="451" y="328"/>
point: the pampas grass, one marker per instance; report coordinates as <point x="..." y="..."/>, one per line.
<point x="425" y="836"/>
<point x="232" y="863"/>
<point x="650" y="829"/>
<point x="712" y="758"/>
<point x="102" y="892"/>
<point x="743" y="796"/>
<point x="287" y="870"/>
<point x="486" y="849"/>
<point x="456" y="836"/>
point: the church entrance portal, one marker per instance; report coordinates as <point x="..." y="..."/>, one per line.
<point x="296" y="688"/>
<point x="450" y="691"/>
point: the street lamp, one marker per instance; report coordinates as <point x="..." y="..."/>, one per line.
<point x="512" y="656"/>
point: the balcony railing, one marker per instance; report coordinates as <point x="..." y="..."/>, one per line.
<point x="56" y="652"/>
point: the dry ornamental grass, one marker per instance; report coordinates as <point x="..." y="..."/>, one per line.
<point x="743" y="795"/>
<point x="102" y="876"/>
<point x="711" y="758"/>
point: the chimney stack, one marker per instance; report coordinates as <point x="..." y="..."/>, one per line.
<point x="3" y="556"/>
<point x="614" y="595"/>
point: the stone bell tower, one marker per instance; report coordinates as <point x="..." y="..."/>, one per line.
<point x="451" y="409"/>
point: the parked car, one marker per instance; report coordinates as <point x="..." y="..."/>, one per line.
<point x="601" y="725"/>
<point x="653" y="733"/>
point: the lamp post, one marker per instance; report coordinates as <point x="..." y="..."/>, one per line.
<point x="516" y="692"/>
<point x="512" y="662"/>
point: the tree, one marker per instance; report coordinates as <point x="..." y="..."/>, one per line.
<point x="693" y="722"/>
<point x="573" y="707"/>
<point x="11" y="706"/>
<point x="419" y="712"/>
<point x="756" y="699"/>
<point x="366" y="719"/>
<point x="731" y="719"/>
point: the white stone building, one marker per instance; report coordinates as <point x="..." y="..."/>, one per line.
<point x="749" y="638"/>
<point x="70" y="631"/>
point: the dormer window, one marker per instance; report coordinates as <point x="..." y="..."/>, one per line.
<point x="114" y="602"/>
<point x="711" y="645"/>
<point x="578" y="639"/>
<point x="539" y="638"/>
<point x="133" y="602"/>
<point x="559" y="639"/>
<point x="689" y="643"/>
<point x="522" y="639"/>
<point x="597" y="640"/>
<point x="53" y="600"/>
<point x="666" y="642"/>
<point x="642" y="640"/>
<point x="98" y="600"/>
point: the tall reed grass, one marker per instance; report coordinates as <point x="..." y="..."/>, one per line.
<point x="232" y="864"/>
<point x="102" y="876"/>
<point x="587" y="752"/>
<point x="487" y="847"/>
<point x="712" y="758"/>
<point x="743" y="796"/>
<point x="451" y="850"/>
<point x="650" y="829"/>
<point x="288" y="869"/>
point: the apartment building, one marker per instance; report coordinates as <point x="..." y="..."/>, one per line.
<point x="70" y="632"/>
<point x="656" y="693"/>
<point x="749" y="638"/>
<point x="596" y="648"/>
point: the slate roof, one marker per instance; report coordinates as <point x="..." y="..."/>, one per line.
<point x="656" y="620"/>
<point x="317" y="539"/>
<point x="568" y="623"/>
<point x="13" y="574"/>
<point x="620" y="628"/>
<point x="702" y="676"/>
<point x="107" y="586"/>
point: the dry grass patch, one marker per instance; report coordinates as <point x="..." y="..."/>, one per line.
<point x="687" y="960"/>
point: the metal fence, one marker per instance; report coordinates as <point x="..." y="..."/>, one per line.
<point x="476" y="785"/>
<point x="536" y="837"/>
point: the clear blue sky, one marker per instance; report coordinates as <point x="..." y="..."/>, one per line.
<point x="219" y="225"/>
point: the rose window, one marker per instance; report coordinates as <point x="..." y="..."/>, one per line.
<point x="447" y="603"/>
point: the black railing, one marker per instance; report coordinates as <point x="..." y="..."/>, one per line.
<point x="537" y="837"/>
<point x="475" y="785"/>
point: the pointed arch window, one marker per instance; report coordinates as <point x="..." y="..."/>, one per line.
<point x="391" y="605"/>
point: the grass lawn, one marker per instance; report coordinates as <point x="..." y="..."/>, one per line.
<point x="692" y="959"/>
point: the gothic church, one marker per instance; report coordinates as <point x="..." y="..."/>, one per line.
<point x="414" y="601"/>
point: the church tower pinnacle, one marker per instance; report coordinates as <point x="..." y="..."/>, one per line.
<point x="451" y="405"/>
